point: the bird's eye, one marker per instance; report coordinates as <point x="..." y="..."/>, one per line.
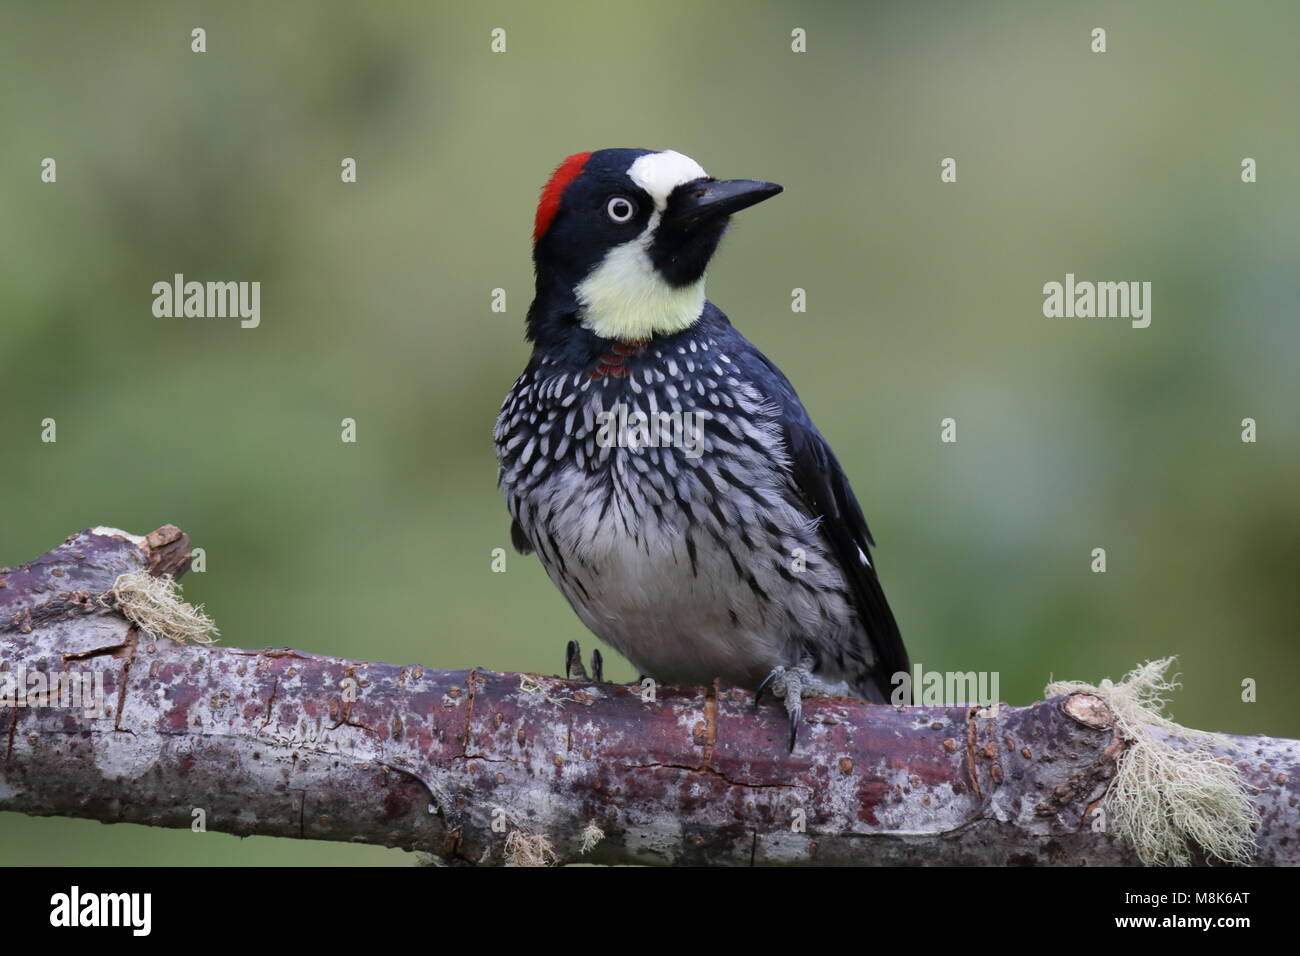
<point x="620" y="209"/>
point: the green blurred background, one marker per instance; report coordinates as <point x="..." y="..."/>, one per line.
<point x="924" y="302"/>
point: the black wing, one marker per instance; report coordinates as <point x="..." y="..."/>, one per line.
<point x="824" y="487"/>
<point x="519" y="539"/>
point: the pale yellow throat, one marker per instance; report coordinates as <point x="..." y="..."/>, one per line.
<point x="625" y="298"/>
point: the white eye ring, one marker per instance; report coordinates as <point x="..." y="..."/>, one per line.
<point x="620" y="209"/>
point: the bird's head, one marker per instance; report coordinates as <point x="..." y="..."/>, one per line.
<point x="623" y="236"/>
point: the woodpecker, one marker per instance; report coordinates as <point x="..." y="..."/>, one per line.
<point x="663" y="469"/>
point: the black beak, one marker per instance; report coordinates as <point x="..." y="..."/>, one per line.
<point x="704" y="199"/>
<point x="694" y="220"/>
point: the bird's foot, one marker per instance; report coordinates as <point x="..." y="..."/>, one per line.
<point x="573" y="668"/>
<point x="792" y="685"/>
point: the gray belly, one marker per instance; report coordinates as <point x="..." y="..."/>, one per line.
<point x="727" y="588"/>
<point x="693" y="563"/>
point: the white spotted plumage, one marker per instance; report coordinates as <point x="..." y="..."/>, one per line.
<point x="681" y="564"/>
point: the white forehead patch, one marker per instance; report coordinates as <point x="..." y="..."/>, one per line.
<point x="660" y="173"/>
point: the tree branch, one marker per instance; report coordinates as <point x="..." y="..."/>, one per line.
<point x="483" y="767"/>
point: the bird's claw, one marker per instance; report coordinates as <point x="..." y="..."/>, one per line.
<point x="758" y="692"/>
<point x="791" y="685"/>
<point x="573" y="668"/>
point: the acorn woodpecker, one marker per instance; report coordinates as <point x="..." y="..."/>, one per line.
<point x="663" y="469"/>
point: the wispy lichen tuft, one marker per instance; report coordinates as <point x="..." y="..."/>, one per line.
<point x="1166" y="797"/>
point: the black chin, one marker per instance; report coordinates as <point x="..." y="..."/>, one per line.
<point x="694" y="219"/>
<point x="681" y="254"/>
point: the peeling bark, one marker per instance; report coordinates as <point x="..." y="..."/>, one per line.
<point x="284" y="743"/>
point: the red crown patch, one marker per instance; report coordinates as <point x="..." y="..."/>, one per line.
<point x="553" y="191"/>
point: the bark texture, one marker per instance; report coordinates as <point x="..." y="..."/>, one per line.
<point x="480" y="767"/>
